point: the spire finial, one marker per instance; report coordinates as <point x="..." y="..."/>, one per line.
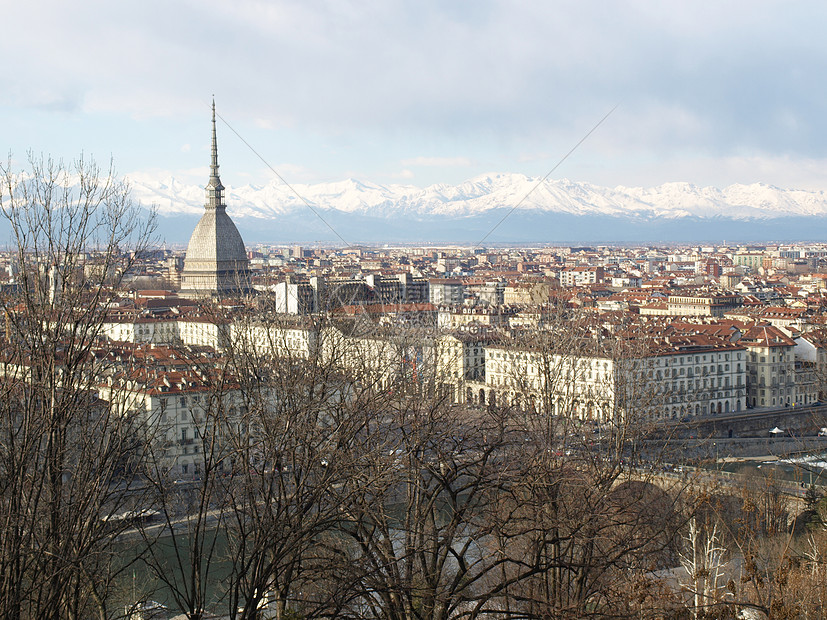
<point x="214" y="164"/>
<point x="214" y="187"/>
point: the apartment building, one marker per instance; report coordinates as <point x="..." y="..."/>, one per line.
<point x="460" y="363"/>
<point x="446" y="291"/>
<point x="282" y="337"/>
<point x="460" y="317"/>
<point x="704" y="304"/>
<point x="581" y="276"/>
<point x="771" y="366"/>
<point x="176" y="407"/>
<point x="659" y="377"/>
<point x="168" y="328"/>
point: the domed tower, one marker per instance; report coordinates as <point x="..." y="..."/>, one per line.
<point x="216" y="263"/>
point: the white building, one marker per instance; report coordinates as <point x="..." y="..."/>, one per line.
<point x="446" y="291"/>
<point x="280" y="338"/>
<point x="771" y="366"/>
<point x="179" y="409"/>
<point x="675" y="377"/>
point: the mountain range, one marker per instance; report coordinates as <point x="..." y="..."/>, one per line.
<point x="535" y="211"/>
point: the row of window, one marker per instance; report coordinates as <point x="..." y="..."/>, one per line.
<point x="698" y="358"/>
<point x="182" y="401"/>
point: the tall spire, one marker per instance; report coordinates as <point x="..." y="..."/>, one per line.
<point x="215" y="197"/>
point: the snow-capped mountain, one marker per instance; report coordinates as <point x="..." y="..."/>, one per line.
<point x="542" y="207"/>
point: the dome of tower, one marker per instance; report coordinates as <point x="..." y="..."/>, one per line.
<point x="216" y="240"/>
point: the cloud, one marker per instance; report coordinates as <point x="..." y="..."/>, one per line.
<point x="780" y="170"/>
<point x="195" y="176"/>
<point x="43" y="98"/>
<point x="437" y="161"/>
<point x="531" y="157"/>
<point x="264" y="123"/>
<point x="290" y="172"/>
<point x="498" y="79"/>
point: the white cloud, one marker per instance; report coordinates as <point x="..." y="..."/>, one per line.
<point x="197" y="176"/>
<point x="292" y="173"/>
<point x="507" y="82"/>
<point x="779" y="170"/>
<point x="437" y="161"/>
<point x="264" y="123"/>
<point x="531" y="157"/>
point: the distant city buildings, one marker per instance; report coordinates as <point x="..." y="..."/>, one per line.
<point x="592" y="333"/>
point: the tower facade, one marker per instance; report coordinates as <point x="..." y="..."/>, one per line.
<point x="216" y="263"/>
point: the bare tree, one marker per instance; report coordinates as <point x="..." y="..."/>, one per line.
<point x="703" y="561"/>
<point x="66" y="457"/>
<point x="298" y="409"/>
<point x="414" y="528"/>
<point x="582" y="523"/>
<point x="185" y="551"/>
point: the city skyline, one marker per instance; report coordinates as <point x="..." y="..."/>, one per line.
<point x="437" y="94"/>
<point x="544" y="425"/>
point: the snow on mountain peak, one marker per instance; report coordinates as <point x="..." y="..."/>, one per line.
<point x="487" y="192"/>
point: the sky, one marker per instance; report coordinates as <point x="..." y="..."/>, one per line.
<point x="423" y="92"/>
